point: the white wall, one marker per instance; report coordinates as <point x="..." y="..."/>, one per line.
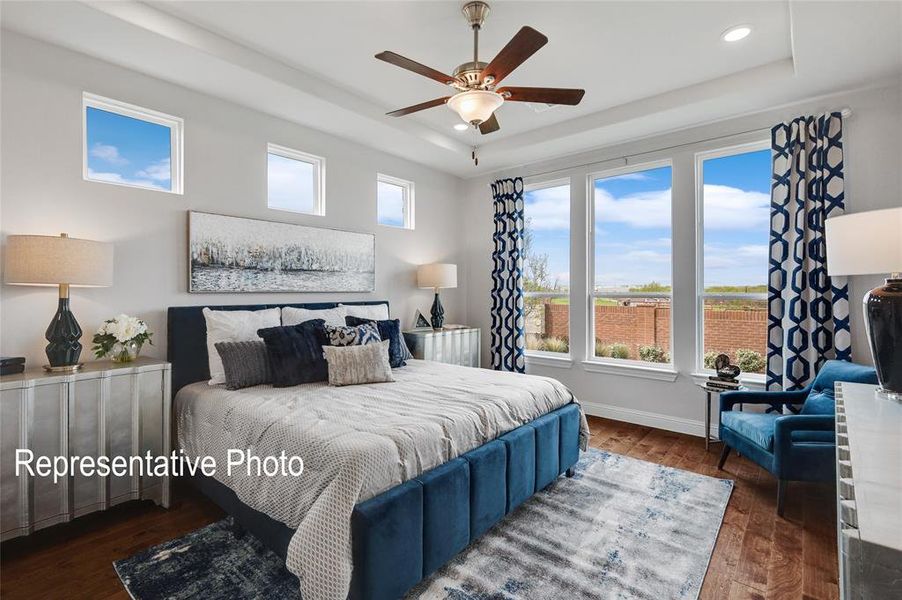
<point x="873" y="170"/>
<point x="42" y="192"/>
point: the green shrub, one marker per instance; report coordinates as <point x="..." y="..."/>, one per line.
<point x="601" y="350"/>
<point x="710" y="355"/>
<point x="653" y="354"/>
<point x="750" y="361"/>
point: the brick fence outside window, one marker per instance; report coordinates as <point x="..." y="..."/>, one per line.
<point x="649" y="325"/>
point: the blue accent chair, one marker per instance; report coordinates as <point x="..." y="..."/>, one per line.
<point x="798" y="447"/>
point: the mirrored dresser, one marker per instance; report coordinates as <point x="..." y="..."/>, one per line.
<point x="455" y="344"/>
<point x="105" y="409"/>
<point x="869" y="493"/>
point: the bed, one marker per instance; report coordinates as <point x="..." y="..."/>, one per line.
<point x="401" y="476"/>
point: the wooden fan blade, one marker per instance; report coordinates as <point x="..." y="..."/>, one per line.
<point x="412" y="65"/>
<point x="523" y="45"/>
<point x="417" y="107"/>
<point x="546" y="95"/>
<point x="490" y="125"/>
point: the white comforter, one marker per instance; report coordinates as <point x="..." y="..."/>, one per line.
<point x="356" y="442"/>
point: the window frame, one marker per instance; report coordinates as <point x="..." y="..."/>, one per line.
<point x="408" y="200"/>
<point x="700" y="294"/>
<point x="601" y="363"/>
<point x="175" y="124"/>
<point x="541" y="184"/>
<point x="319" y="178"/>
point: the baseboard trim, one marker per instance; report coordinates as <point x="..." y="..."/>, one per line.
<point x="649" y="419"/>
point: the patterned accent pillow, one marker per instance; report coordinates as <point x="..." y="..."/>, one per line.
<point x="353" y="365"/>
<point x="296" y="353"/>
<point x="357" y="335"/>
<point x="246" y="364"/>
<point x="389" y="329"/>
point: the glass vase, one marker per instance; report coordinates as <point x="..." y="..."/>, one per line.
<point x="123" y="352"/>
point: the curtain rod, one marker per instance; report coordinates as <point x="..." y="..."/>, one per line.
<point x="845" y="112"/>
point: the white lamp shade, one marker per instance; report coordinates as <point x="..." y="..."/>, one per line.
<point x="437" y="275"/>
<point x="865" y="243"/>
<point x="52" y="260"/>
<point x="475" y="106"/>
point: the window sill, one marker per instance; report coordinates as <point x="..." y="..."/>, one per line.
<point x="630" y="370"/>
<point x="755" y="383"/>
<point x="549" y="360"/>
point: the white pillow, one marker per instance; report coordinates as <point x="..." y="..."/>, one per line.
<point x="296" y="316"/>
<point x="374" y="312"/>
<point x="233" y="326"/>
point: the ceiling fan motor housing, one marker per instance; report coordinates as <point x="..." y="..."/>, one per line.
<point x="475" y="12"/>
<point x="468" y="73"/>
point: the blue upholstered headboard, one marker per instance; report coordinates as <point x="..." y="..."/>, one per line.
<point x="187" y="337"/>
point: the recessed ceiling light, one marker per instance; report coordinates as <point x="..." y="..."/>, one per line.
<point x="461" y="126"/>
<point x="734" y="34"/>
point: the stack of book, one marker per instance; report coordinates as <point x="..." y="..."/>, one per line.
<point x="10" y="365"/>
<point x="723" y="383"/>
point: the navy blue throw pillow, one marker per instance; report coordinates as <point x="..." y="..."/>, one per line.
<point x="296" y="353"/>
<point x="389" y="329"/>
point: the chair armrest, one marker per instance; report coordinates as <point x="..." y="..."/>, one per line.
<point x="728" y="399"/>
<point x="784" y="426"/>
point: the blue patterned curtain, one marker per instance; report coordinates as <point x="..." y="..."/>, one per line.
<point x="508" y="320"/>
<point x="808" y="312"/>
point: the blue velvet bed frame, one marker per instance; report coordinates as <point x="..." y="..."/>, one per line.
<point x="406" y="533"/>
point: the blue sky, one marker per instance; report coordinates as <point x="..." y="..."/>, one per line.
<point x="126" y="150"/>
<point x="289" y="184"/>
<point x="390" y="200"/>
<point x="633" y="224"/>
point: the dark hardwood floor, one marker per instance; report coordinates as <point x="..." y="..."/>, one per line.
<point x="758" y="555"/>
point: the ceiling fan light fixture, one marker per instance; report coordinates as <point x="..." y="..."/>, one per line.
<point x="475" y="106"/>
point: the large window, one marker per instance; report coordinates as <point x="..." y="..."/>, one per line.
<point x="296" y="181"/>
<point x="132" y="146"/>
<point x="546" y="267"/>
<point x="394" y="202"/>
<point x="630" y="265"/>
<point x="734" y="209"/>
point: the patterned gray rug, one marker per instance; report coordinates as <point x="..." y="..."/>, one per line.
<point x="620" y="528"/>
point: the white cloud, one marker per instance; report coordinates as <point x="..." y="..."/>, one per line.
<point x="549" y="208"/>
<point x="118" y="178"/>
<point x="728" y="207"/>
<point x="159" y="171"/>
<point x="628" y="177"/>
<point x="645" y="256"/>
<point x="108" y="153"/>
<point x="642" y="210"/>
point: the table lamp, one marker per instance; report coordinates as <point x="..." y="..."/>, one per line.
<point x="437" y="276"/>
<point x="66" y="262"/>
<point x="868" y="243"/>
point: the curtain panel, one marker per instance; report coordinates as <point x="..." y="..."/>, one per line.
<point x="508" y="335"/>
<point x="808" y="312"/>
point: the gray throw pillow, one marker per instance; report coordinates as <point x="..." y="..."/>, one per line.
<point x="245" y="364"/>
<point x="352" y="365"/>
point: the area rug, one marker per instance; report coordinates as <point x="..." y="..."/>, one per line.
<point x="620" y="528"/>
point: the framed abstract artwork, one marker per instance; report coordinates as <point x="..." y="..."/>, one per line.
<point x="235" y="254"/>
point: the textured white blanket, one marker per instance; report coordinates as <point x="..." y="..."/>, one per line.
<point x="356" y="442"/>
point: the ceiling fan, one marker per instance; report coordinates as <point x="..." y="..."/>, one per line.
<point x="477" y="97"/>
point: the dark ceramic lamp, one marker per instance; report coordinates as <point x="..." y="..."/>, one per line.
<point x="65" y="262"/>
<point x="437" y="276"/>
<point x="871" y="243"/>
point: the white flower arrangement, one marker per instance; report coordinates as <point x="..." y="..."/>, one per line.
<point x="120" y="333"/>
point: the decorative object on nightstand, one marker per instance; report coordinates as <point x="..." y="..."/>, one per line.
<point x="419" y="321"/>
<point x="870" y="243"/>
<point x="437" y="276"/>
<point x="120" y="339"/>
<point x="10" y="365"/>
<point x="105" y="409"/>
<point x="66" y="262"/>
<point x="455" y="344"/>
